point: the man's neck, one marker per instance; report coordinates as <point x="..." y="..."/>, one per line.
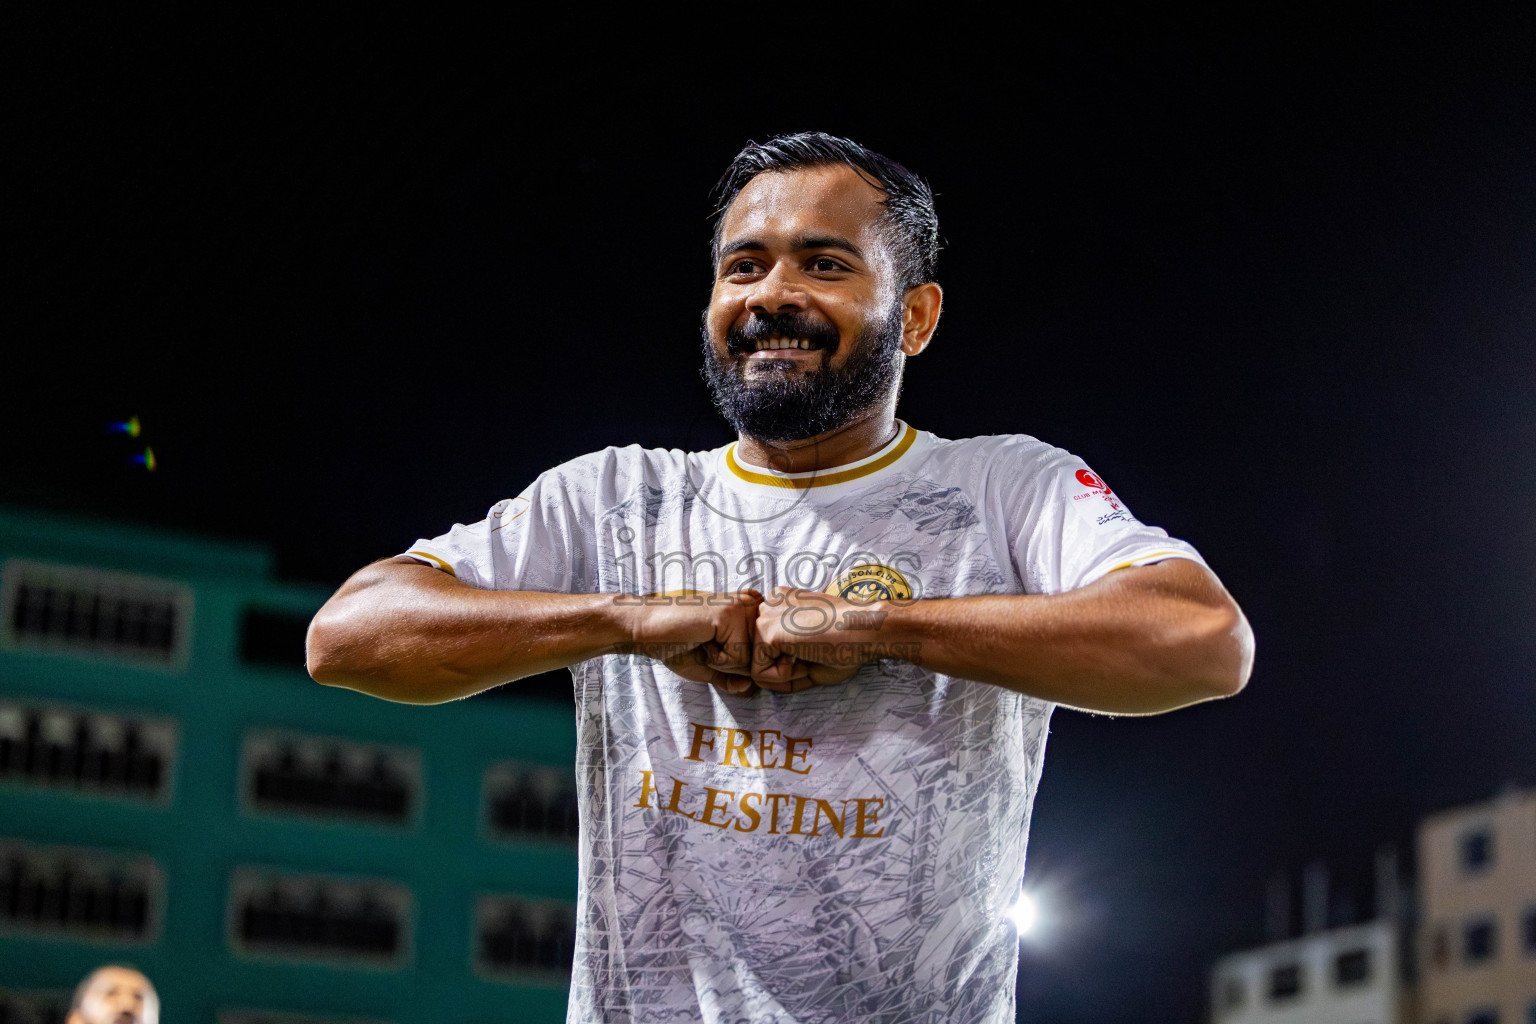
<point x="857" y="440"/>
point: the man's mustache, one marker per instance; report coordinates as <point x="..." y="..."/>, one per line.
<point x="743" y="337"/>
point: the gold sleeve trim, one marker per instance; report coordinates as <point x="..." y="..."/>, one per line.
<point x="1142" y="558"/>
<point x="436" y="562"/>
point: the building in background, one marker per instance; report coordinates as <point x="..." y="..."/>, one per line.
<point x="1345" y="974"/>
<point x="1473" y="935"/>
<point x="1348" y="975"/>
<point x="1477" y="886"/>
<point x="176" y="793"/>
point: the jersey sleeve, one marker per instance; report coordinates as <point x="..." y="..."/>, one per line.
<point x="534" y="541"/>
<point x="1066" y="528"/>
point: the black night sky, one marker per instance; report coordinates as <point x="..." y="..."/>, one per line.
<point x="1275" y="280"/>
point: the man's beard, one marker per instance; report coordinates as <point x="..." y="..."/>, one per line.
<point x="775" y="404"/>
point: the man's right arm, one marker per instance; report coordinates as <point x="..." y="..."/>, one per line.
<point x="407" y="632"/>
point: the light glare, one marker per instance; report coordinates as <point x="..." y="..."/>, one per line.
<point x="1022" y="913"/>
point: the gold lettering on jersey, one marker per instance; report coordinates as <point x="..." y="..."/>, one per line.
<point x="700" y="737"/>
<point x="799" y="814"/>
<point x="790" y="753"/>
<point x="774" y="800"/>
<point x="678" y="785"/>
<point x="791" y="814"/>
<point x="738" y="748"/>
<point x="710" y="807"/>
<point x="736" y="741"/>
<point x="749" y="813"/>
<point x="647" y="787"/>
<point x="768" y="750"/>
<point x="869" y="816"/>
<point x="777" y="814"/>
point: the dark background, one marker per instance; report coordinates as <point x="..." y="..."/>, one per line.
<point x="1274" y="279"/>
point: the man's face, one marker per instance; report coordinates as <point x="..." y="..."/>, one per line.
<point x="804" y="324"/>
<point x="117" y="995"/>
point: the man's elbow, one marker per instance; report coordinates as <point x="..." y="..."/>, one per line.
<point x="342" y="649"/>
<point x="349" y="656"/>
<point x="1224" y="651"/>
<point x="325" y="653"/>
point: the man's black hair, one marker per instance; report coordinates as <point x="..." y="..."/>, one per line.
<point x="910" y="223"/>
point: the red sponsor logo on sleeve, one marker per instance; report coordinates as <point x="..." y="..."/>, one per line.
<point x="1103" y="507"/>
<point x="1087" y="479"/>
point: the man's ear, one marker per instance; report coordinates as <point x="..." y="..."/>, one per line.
<point x="920" y="316"/>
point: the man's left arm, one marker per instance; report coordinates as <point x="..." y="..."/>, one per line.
<point x="1139" y="641"/>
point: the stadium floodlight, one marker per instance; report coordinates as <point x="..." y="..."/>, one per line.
<point x="1023" y="914"/>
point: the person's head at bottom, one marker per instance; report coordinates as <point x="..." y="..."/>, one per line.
<point x="114" y="995"/>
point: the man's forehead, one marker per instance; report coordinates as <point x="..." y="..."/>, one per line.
<point x="780" y="205"/>
<point x="119" y="977"/>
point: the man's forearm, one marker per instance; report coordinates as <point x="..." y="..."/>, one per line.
<point x="1139" y="642"/>
<point x="411" y="633"/>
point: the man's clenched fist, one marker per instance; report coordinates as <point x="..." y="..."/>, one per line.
<point x="790" y="640"/>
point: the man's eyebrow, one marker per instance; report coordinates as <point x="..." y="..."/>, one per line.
<point x="799" y="244"/>
<point x="739" y="245"/>
<point x="827" y="242"/>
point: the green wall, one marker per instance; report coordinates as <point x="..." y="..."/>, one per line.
<point x="201" y="835"/>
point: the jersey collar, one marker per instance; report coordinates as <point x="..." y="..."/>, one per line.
<point x="886" y="456"/>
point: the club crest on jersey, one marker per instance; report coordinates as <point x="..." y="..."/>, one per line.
<point x="871" y="582"/>
<point x="1093" y="500"/>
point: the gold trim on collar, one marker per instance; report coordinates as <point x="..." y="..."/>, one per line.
<point x="800" y="483"/>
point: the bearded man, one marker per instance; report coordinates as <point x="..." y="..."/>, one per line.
<point x="814" y="668"/>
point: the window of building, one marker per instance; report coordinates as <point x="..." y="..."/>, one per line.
<point x="1285" y="982"/>
<point x="1352" y="967"/>
<point x="319" y="918"/>
<point x="277" y="1017"/>
<point x="1528" y="931"/>
<point x="1530" y="1014"/>
<point x="89" y="753"/>
<point x="1477" y="849"/>
<point x="528" y="801"/>
<point x="75" y="610"/>
<point x="1483" y="1015"/>
<point x="517" y="938"/>
<point x="293" y="773"/>
<point x="79" y="893"/>
<point x="273" y="639"/>
<point x="1480" y="940"/>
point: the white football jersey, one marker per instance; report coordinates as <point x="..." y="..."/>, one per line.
<point x="844" y="853"/>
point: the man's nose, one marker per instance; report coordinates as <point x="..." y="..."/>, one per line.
<point x="776" y="292"/>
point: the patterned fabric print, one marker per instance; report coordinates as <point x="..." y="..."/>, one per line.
<point x="843" y="853"/>
<point x="770" y="923"/>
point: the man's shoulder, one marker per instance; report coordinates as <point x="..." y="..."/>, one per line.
<point x="620" y="462"/>
<point x="990" y="453"/>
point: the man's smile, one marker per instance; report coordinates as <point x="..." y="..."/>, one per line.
<point x="779" y="347"/>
